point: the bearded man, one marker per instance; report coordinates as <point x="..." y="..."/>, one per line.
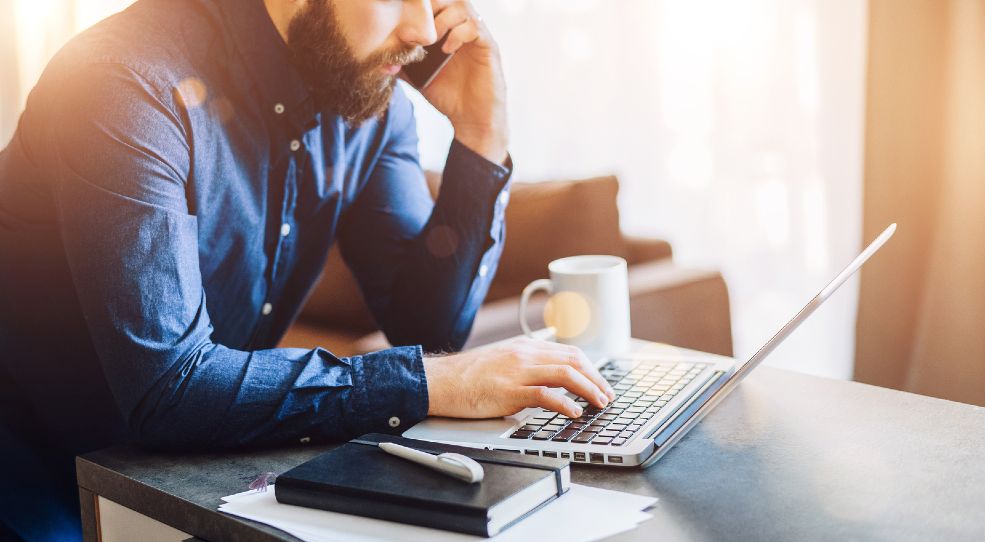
<point x="168" y="201"/>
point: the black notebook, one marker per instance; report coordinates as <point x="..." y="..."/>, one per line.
<point x="360" y="478"/>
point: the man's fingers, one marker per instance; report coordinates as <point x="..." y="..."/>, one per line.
<point x="459" y="36"/>
<point x="575" y="357"/>
<point x="546" y="398"/>
<point x="450" y="17"/>
<point x="567" y="377"/>
<point x="461" y="24"/>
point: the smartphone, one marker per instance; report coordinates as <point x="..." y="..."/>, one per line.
<point x="420" y="74"/>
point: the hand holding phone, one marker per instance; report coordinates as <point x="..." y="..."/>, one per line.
<point x="471" y="91"/>
<point x="420" y="74"/>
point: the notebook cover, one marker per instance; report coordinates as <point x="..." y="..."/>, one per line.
<point x="359" y="478"/>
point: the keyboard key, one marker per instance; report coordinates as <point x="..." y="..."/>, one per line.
<point x="602" y="440"/>
<point x="627" y="433"/>
<point x="530" y="427"/>
<point x="599" y="423"/>
<point x="592" y="429"/>
<point x="583" y="438"/>
<point x="636" y="409"/>
<point x="576" y="425"/>
<point x="607" y="416"/>
<point x="619" y="441"/>
<point x="609" y="433"/>
<point x="543" y="435"/>
<point x="565" y="436"/>
<point x="521" y="434"/>
<point x="616" y="426"/>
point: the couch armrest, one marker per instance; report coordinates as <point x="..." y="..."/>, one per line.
<point x="669" y="304"/>
<point x="646" y="249"/>
<point x="681" y="306"/>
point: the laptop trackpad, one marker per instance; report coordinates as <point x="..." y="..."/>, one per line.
<point x="452" y="428"/>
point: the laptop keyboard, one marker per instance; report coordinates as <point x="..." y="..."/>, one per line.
<point x="641" y="391"/>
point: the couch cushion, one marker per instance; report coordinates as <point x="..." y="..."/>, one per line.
<point x="550" y="220"/>
<point x="336" y="299"/>
<point x="544" y="221"/>
<point x="340" y="342"/>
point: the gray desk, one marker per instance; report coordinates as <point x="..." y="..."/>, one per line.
<point x="786" y="457"/>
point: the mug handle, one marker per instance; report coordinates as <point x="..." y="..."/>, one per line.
<point x="539" y="284"/>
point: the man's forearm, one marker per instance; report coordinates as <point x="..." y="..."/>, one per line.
<point x="442" y="278"/>
<point x="224" y="398"/>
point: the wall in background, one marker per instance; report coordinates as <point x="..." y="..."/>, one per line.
<point x="736" y="130"/>
<point x="32" y="32"/>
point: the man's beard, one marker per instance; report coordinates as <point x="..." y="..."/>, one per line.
<point x="356" y="91"/>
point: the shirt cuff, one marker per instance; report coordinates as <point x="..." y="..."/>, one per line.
<point x="391" y="391"/>
<point x="475" y="163"/>
<point x="472" y="189"/>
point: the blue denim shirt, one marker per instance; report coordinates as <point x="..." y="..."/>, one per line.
<point x="166" y="205"/>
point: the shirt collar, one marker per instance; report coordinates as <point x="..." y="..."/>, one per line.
<point x="267" y="60"/>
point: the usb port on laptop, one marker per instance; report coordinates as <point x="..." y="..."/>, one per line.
<point x="550" y="454"/>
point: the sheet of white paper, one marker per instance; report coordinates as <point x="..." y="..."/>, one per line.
<point x="612" y="512"/>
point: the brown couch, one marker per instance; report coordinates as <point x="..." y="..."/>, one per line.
<point x="544" y="221"/>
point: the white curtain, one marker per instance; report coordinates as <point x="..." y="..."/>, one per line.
<point x="31" y="32"/>
<point x="736" y="130"/>
<point x="735" y="127"/>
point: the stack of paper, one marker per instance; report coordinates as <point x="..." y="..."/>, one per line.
<point x="582" y="514"/>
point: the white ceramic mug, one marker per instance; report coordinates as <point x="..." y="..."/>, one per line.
<point x="589" y="303"/>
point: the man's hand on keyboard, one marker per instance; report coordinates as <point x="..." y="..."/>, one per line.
<point x="504" y="378"/>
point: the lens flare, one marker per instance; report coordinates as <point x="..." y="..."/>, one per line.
<point x="568" y="313"/>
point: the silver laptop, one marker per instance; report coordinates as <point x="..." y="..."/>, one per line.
<point x="658" y="400"/>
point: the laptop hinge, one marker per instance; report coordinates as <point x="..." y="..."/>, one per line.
<point x="686" y="410"/>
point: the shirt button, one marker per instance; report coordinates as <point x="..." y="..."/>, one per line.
<point x="279" y="109"/>
<point x="266" y="309"/>
<point x="305" y="440"/>
<point x="483" y="270"/>
<point x="394" y="421"/>
<point x="504" y="198"/>
<point x="295" y="145"/>
<point x="285" y="229"/>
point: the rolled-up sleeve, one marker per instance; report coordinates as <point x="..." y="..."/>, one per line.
<point x="425" y="266"/>
<point x="132" y="248"/>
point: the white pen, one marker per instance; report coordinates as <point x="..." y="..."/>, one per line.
<point x="454" y="465"/>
